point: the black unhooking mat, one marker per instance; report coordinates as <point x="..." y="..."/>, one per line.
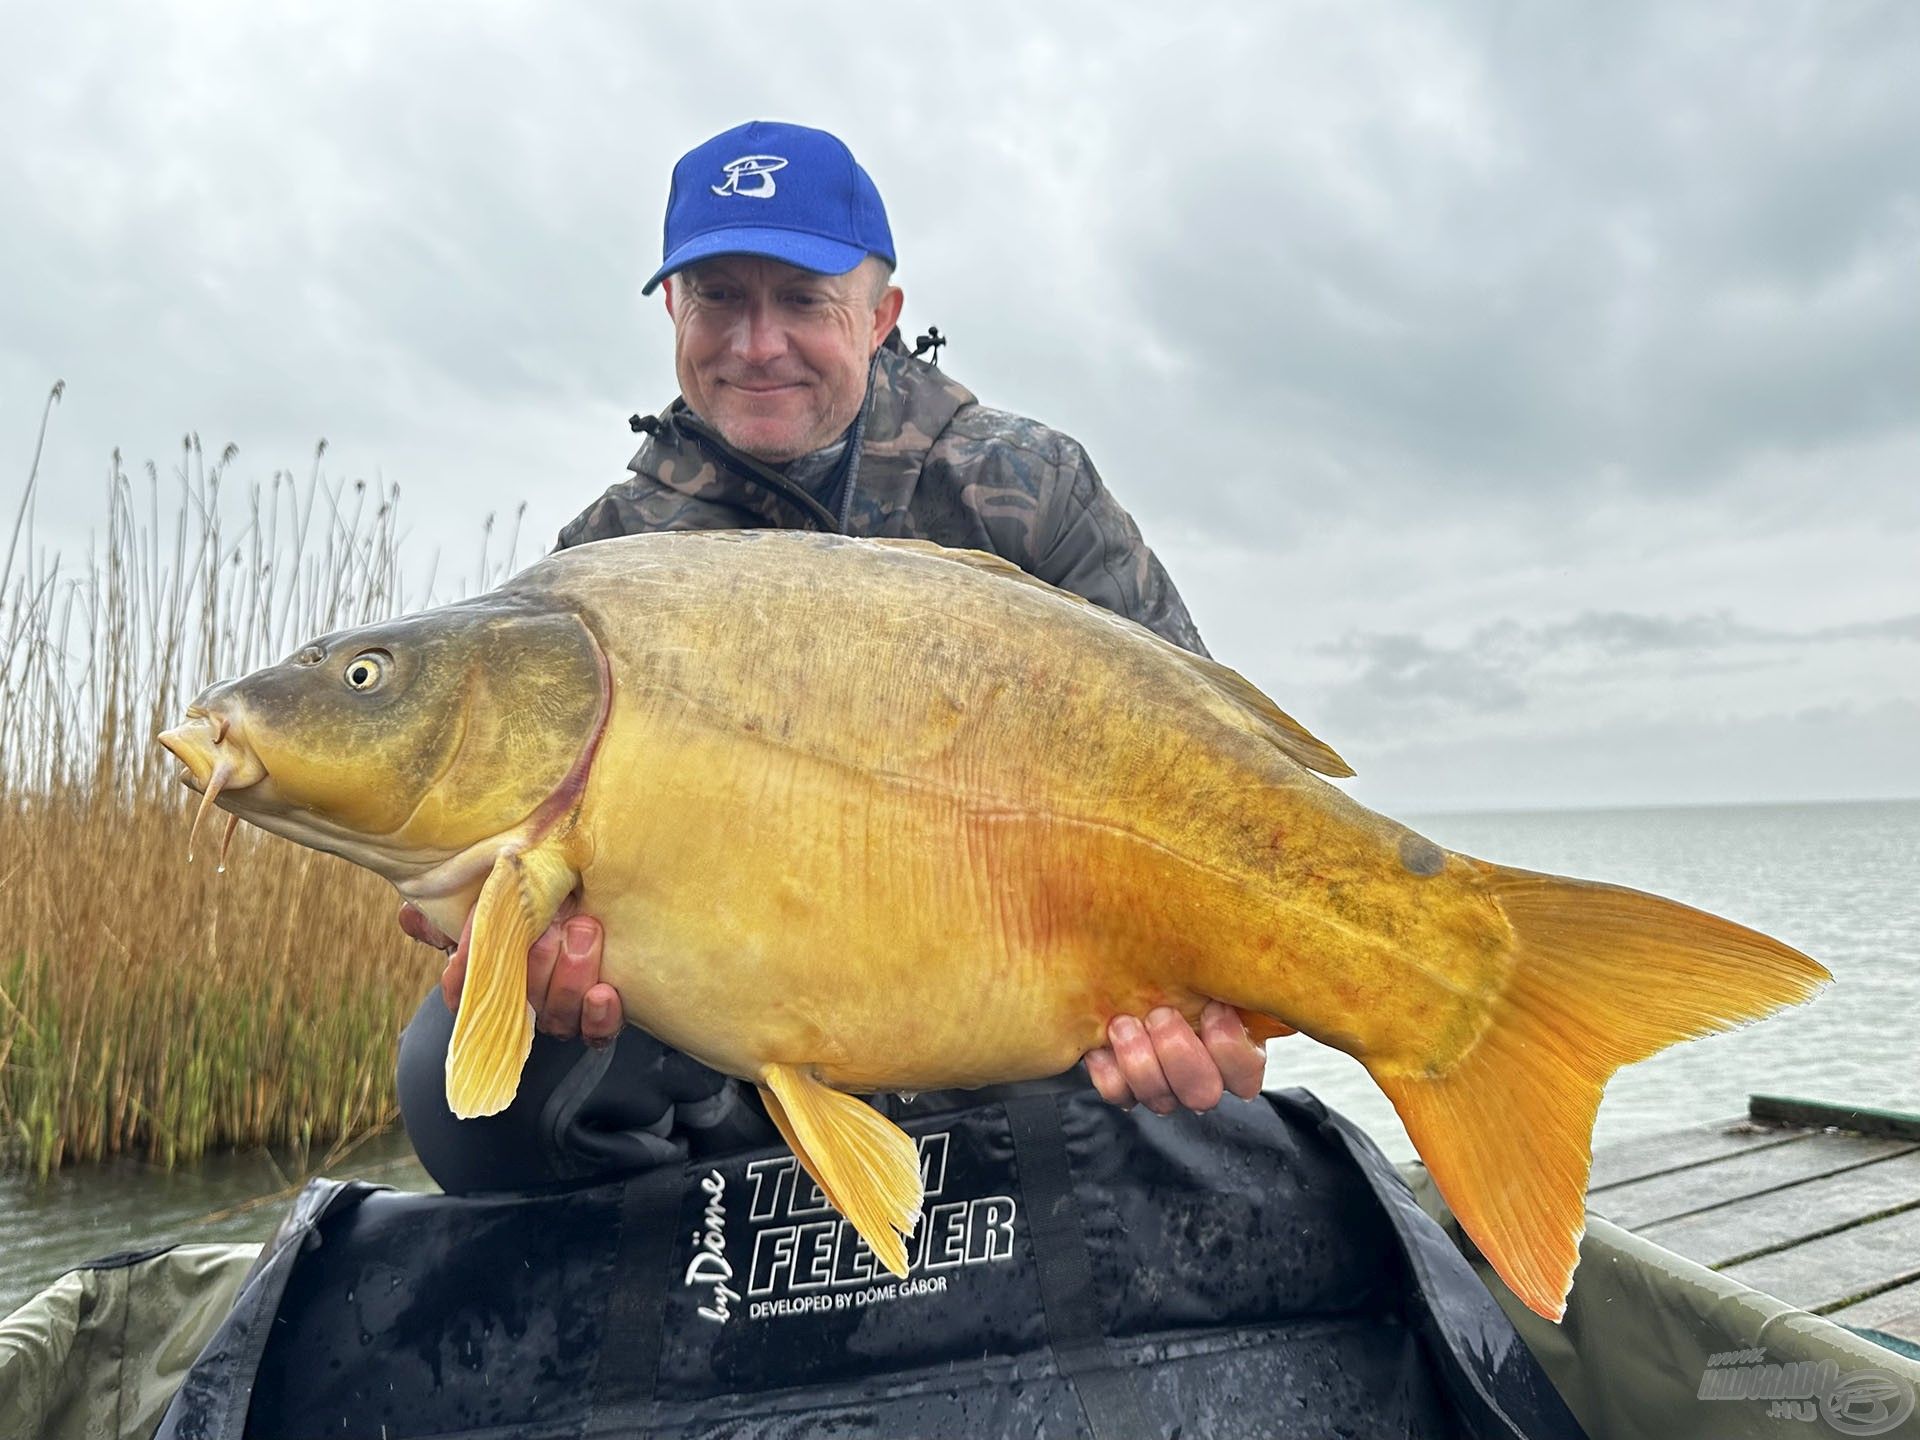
<point x="1260" y="1271"/>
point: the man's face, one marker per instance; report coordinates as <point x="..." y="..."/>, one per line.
<point x="774" y="357"/>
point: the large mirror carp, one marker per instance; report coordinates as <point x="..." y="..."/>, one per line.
<point x="864" y="816"/>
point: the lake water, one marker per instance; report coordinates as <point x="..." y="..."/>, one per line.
<point x="85" y="1212"/>
<point x="1841" y="882"/>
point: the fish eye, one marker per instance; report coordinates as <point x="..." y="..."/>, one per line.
<point x="366" y="670"/>
<point x="309" y="655"/>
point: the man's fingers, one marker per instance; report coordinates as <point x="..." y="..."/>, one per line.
<point x="415" y="925"/>
<point x="1242" y="1063"/>
<point x="453" y="979"/>
<point x="1184" y="1060"/>
<point x="542" y="956"/>
<point x="1133" y="1051"/>
<point x="563" y="979"/>
<point x="576" y="970"/>
<point x="1104" y="1071"/>
<point x="600" y="1015"/>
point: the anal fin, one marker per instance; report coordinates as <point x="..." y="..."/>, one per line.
<point x="493" y="1032"/>
<point x="867" y="1165"/>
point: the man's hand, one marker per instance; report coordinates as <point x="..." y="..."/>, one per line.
<point x="1164" y="1062"/>
<point x="1161" y="1062"/>
<point x="563" y="974"/>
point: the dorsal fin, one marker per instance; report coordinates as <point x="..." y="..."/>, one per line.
<point x="1287" y="734"/>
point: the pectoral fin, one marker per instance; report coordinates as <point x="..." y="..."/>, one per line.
<point x="494" y="1030"/>
<point x="866" y="1164"/>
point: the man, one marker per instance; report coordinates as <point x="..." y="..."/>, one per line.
<point x="1200" y="1278"/>
<point x="799" y="408"/>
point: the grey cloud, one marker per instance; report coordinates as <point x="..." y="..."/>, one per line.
<point x="355" y="215"/>
<point x="1649" y="250"/>
<point x="1393" y="679"/>
<point x="1620" y="632"/>
<point x="1808" y="753"/>
<point x="1899" y="627"/>
<point x="1412" y="680"/>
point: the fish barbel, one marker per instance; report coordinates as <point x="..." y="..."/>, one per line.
<point x="864" y="816"/>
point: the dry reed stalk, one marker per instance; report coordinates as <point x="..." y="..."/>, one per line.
<point x="148" y="1005"/>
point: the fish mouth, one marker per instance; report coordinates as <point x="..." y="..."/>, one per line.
<point x="218" y="760"/>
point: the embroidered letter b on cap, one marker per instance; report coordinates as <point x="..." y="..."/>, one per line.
<point x="785" y="192"/>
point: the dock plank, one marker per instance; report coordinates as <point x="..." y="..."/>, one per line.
<point x="1657" y="1154"/>
<point x="1757" y="1222"/>
<point x="1640" y="1203"/>
<point x="1823" y="1273"/>
<point x="1895" y="1311"/>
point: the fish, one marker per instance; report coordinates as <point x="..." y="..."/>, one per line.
<point x="866" y="816"/>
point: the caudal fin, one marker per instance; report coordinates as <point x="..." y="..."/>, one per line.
<point x="1603" y="976"/>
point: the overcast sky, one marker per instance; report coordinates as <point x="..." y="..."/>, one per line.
<point x="1526" y="396"/>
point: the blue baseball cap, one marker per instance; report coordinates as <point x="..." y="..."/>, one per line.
<point x="782" y="191"/>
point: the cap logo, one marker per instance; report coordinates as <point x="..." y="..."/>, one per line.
<point x="754" y="170"/>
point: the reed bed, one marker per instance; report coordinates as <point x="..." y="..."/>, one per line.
<point x="149" y="1006"/>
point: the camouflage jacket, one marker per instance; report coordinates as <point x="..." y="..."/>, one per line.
<point x="932" y="464"/>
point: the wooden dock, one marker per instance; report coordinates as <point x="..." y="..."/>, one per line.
<point x="1816" y="1204"/>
